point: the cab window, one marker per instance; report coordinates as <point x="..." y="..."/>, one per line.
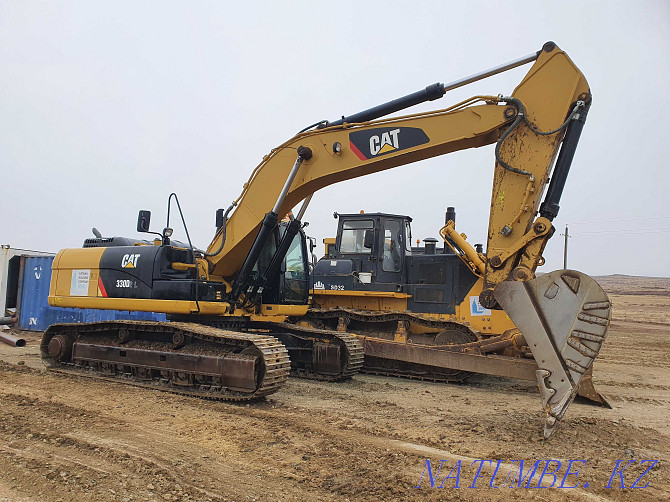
<point x="408" y="236"/>
<point x="296" y="277"/>
<point x="353" y="236"/>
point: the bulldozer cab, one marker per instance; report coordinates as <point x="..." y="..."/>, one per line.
<point x="373" y="252"/>
<point x="376" y="245"/>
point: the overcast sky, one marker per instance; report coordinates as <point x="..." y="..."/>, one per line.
<point x="107" y="107"/>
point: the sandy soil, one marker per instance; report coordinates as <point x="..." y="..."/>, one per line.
<point x="68" y="438"/>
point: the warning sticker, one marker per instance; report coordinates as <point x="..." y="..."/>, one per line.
<point x="79" y="284"/>
<point x="476" y="307"/>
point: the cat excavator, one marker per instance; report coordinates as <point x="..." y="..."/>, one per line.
<point x="234" y="310"/>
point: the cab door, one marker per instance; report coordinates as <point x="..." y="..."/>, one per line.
<point x="391" y="261"/>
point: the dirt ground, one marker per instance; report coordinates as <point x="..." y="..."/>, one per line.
<point x="68" y="438"/>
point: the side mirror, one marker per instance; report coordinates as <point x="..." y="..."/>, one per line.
<point x="369" y="239"/>
<point x="219" y="218"/>
<point x="143" y="220"/>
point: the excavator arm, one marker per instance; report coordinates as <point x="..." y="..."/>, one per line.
<point x="546" y="110"/>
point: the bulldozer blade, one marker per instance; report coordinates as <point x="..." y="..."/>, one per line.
<point x="564" y="316"/>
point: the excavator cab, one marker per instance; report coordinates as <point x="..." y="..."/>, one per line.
<point x="294" y="273"/>
<point x="290" y="285"/>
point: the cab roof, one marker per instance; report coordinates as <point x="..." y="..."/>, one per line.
<point x="367" y="215"/>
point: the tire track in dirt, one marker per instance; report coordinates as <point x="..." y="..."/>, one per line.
<point x="270" y="428"/>
<point x="362" y="440"/>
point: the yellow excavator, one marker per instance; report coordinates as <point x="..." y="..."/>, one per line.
<point x="233" y="307"/>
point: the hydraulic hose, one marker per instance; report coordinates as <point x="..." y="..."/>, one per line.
<point x="521" y="116"/>
<point x="223" y="232"/>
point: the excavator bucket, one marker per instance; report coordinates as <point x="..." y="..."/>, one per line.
<point x="563" y="315"/>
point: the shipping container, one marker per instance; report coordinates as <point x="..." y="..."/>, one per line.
<point x="10" y="259"/>
<point x="36" y="314"/>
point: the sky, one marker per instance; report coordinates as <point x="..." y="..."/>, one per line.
<point x="108" y="107"/>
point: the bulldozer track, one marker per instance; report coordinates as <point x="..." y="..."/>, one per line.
<point x="371" y="316"/>
<point x="456" y="377"/>
<point x="201" y="340"/>
<point x="384" y="367"/>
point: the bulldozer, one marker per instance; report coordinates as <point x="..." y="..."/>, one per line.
<point x="232" y="308"/>
<point x="373" y="281"/>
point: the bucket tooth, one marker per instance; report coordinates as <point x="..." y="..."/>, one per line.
<point x="588" y="392"/>
<point x="564" y="316"/>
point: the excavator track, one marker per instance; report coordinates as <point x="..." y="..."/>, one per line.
<point x="183" y="358"/>
<point x="318" y="354"/>
<point x="385" y="367"/>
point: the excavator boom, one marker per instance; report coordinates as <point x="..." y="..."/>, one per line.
<point x="542" y="102"/>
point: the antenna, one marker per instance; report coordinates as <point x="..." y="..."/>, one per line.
<point x="565" y="247"/>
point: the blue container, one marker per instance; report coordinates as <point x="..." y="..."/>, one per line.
<point x="35" y="314"/>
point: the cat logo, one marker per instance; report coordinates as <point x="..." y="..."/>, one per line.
<point x="130" y="260"/>
<point x="382" y="141"/>
<point x="386" y="143"/>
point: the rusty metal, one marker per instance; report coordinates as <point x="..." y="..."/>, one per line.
<point x="12" y="340"/>
<point x="19" y="291"/>
<point x="342" y="324"/>
<point x="487" y="298"/>
<point x="178" y="340"/>
<point x="510" y="367"/>
<point x="8" y="321"/>
<point x="495" y="346"/>
<point x="401" y="332"/>
<point x="124" y="335"/>
<point x="588" y="391"/>
<point x="235" y="371"/>
<point x="60" y="347"/>
<point x="512" y="343"/>
<point x="299" y="341"/>
<point x="335" y="350"/>
<point x="326" y="358"/>
<point x="439" y="362"/>
<point x="457" y="337"/>
<point x="214" y="363"/>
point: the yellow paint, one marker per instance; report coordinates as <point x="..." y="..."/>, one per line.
<point x="283" y="310"/>
<point x="139" y="305"/>
<point x="386" y="148"/>
<point x="381" y="294"/>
